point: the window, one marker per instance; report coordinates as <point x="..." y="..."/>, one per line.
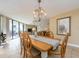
<point x="10" y="28"/>
<point x="15" y="28"/>
<point x="15" y="31"/>
<point x="21" y="27"/>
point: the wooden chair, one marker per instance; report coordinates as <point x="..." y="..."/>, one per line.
<point x="42" y="33"/>
<point x="39" y="33"/>
<point x="49" y="34"/>
<point x="21" y="42"/>
<point x="61" y="49"/>
<point x="29" y="51"/>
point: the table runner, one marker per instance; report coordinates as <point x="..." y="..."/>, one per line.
<point x="50" y="41"/>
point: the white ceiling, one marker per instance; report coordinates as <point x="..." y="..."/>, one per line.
<point x="22" y="9"/>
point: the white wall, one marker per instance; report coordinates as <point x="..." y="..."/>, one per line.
<point x="74" y="38"/>
<point x="0" y="24"/>
<point x="3" y="21"/>
<point x="5" y="26"/>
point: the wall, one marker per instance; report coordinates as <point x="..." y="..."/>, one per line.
<point x="3" y="23"/>
<point x="74" y="38"/>
<point x="0" y="24"/>
<point x="5" y="26"/>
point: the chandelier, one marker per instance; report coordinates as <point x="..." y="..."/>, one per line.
<point x="39" y="12"/>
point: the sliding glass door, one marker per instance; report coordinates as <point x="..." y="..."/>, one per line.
<point x="10" y="29"/>
<point x="15" y="28"/>
<point x="15" y="31"/>
<point x="25" y="28"/>
<point x="21" y="27"/>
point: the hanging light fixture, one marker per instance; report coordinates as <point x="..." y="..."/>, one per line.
<point x="39" y="12"/>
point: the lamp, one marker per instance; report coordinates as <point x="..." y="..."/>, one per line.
<point x="39" y="12"/>
<point x="34" y="31"/>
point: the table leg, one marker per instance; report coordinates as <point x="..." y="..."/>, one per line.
<point x="44" y="54"/>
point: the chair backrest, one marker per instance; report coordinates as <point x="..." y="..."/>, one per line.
<point x="40" y="33"/>
<point x="22" y="35"/>
<point x="28" y="46"/>
<point x="21" y="40"/>
<point x="48" y="34"/>
<point x="26" y="41"/>
<point x="64" y="45"/>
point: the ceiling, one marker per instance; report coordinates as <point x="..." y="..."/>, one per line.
<point x="22" y="9"/>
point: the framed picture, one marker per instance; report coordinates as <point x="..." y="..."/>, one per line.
<point x="64" y="26"/>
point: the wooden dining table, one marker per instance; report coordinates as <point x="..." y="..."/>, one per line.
<point x="42" y="46"/>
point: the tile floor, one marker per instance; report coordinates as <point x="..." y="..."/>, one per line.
<point x="12" y="50"/>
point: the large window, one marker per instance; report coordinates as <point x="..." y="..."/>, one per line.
<point x="15" y="28"/>
<point x="21" y="27"/>
<point x="25" y="28"/>
<point x="15" y="31"/>
<point x="10" y="28"/>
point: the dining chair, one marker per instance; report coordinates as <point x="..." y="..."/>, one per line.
<point x="42" y="33"/>
<point x="39" y="33"/>
<point x="29" y="50"/>
<point x="49" y="34"/>
<point x="21" y="42"/>
<point x="61" y="49"/>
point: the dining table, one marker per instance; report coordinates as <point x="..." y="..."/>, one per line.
<point x="44" y="44"/>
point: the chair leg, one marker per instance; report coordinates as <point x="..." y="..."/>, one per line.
<point x="62" y="54"/>
<point x="24" y="54"/>
<point x="21" y="51"/>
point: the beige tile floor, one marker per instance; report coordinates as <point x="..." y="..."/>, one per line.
<point x="12" y="50"/>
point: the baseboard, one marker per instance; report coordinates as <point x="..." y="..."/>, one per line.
<point x="73" y="45"/>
